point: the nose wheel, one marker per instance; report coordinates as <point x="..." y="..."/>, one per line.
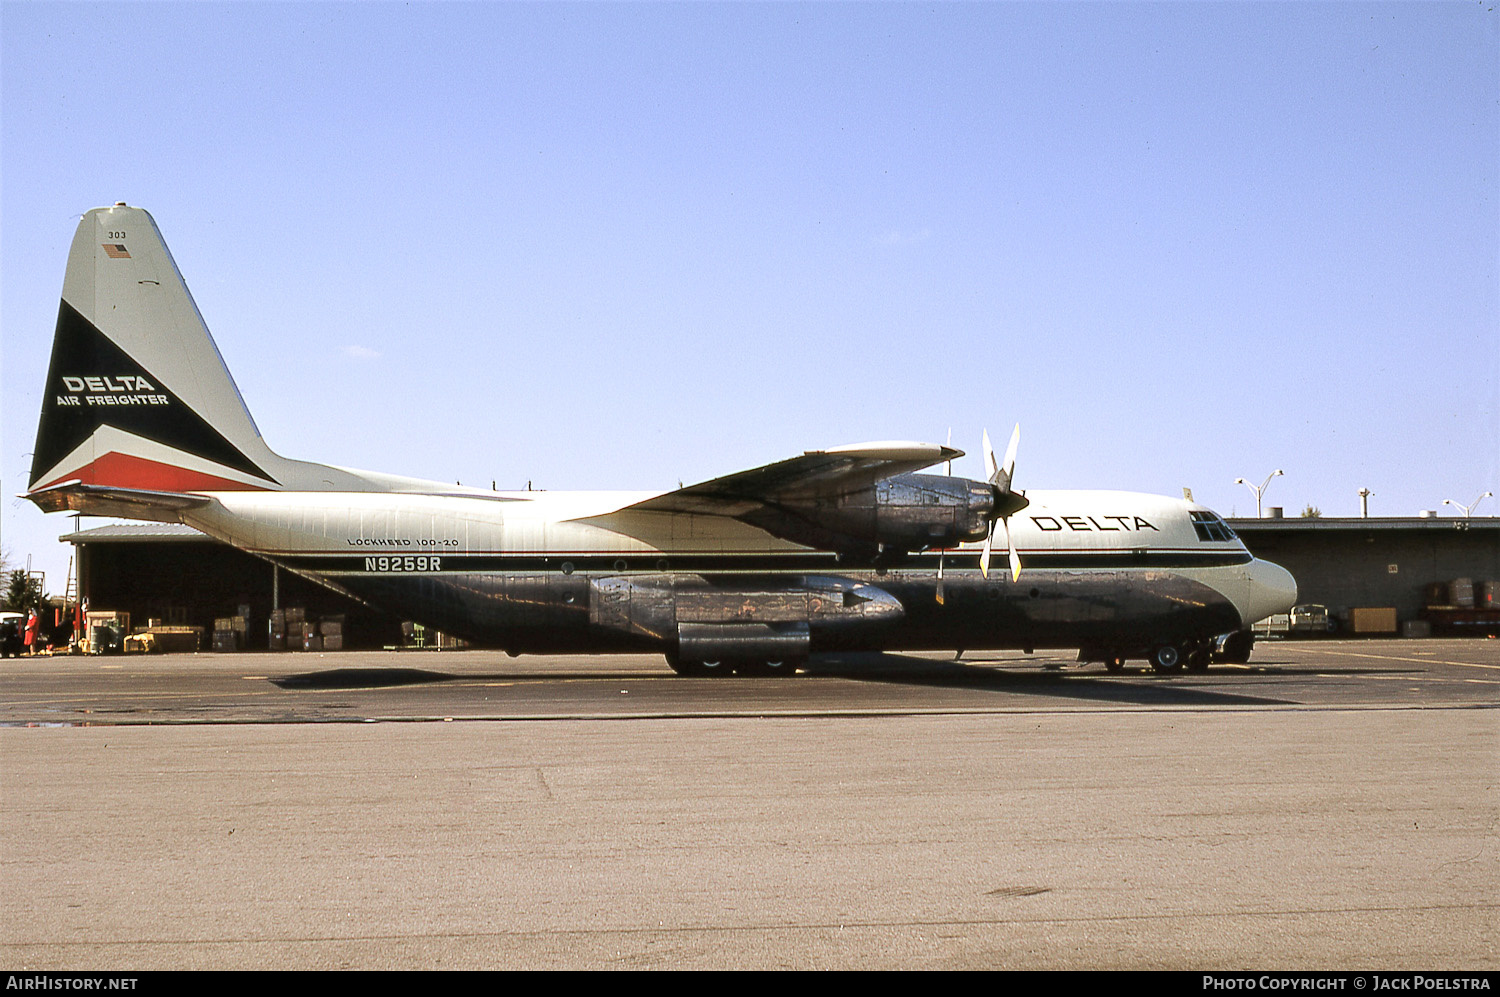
<point x="1166" y="658"/>
<point x="1237" y="647"/>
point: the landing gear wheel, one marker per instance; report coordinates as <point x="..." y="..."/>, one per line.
<point x="1166" y="659"/>
<point x="1237" y="647"/>
<point x="764" y="668"/>
<point x="1114" y="663"/>
<point x="698" y="669"/>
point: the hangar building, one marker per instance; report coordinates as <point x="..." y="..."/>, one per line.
<point x="1408" y="564"/>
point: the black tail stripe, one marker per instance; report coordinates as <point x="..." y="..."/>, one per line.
<point x="80" y="352"/>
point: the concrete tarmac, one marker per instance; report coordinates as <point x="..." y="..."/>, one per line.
<point x="1333" y="805"/>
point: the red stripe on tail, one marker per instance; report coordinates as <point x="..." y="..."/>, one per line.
<point x="119" y="470"/>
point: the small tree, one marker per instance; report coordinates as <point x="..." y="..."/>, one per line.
<point x="1312" y="512"/>
<point x="22" y="593"/>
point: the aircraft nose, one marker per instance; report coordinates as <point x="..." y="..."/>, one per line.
<point x="1272" y="590"/>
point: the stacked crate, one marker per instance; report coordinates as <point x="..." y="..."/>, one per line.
<point x="229" y="633"/>
<point x="296" y="622"/>
<point x="291" y="630"/>
<point x="331" y="632"/>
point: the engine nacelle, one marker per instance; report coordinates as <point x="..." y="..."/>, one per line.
<point x="739" y="617"/>
<point x="906" y="512"/>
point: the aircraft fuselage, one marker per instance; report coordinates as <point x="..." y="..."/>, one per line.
<point x="533" y="571"/>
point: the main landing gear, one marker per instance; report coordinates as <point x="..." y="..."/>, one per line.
<point x="1172" y="657"/>
<point x="1166" y="657"/>
<point x="756" y="667"/>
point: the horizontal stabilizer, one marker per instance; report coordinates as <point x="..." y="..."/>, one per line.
<point x="103" y="500"/>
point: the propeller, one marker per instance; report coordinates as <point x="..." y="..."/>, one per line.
<point x="1007" y="502"/>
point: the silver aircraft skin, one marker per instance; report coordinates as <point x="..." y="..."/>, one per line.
<point x="839" y="549"/>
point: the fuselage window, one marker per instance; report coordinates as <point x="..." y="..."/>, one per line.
<point x="1209" y="526"/>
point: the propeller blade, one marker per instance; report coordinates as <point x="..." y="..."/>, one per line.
<point x="1008" y="469"/>
<point x="1007" y="502"/>
<point x="1015" y="556"/>
<point x="940" y="579"/>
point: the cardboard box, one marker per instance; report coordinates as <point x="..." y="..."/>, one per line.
<point x="1373" y="620"/>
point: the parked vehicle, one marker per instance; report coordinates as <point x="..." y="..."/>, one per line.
<point x="1310" y="620"/>
<point x="10" y="634"/>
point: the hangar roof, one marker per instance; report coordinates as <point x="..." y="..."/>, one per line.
<point x="136" y="533"/>
<point x="1320" y="524"/>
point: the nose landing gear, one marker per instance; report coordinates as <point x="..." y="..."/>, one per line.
<point x="1165" y="658"/>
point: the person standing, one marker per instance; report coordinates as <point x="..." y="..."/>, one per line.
<point x="33" y="628"/>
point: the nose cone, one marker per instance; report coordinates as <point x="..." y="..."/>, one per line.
<point x="1272" y="590"/>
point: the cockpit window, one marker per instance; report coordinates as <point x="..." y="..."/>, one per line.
<point x="1209" y="526"/>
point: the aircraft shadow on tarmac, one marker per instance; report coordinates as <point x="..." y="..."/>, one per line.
<point x="1139" y="686"/>
<point x="379" y="678"/>
<point x="1136" y="686"/>
<point x="361" y="678"/>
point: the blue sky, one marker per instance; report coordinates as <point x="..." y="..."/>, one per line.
<point x="619" y="246"/>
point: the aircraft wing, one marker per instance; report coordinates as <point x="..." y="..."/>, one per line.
<point x="102" y="500"/>
<point x="815" y="474"/>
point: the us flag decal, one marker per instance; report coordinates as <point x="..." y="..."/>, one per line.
<point x="115" y="251"/>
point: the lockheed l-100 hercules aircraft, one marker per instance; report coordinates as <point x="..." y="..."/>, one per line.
<point x="839" y="549"/>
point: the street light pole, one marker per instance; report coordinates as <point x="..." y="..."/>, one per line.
<point x="1468" y="509"/>
<point x="1364" y="503"/>
<point x="1258" y="491"/>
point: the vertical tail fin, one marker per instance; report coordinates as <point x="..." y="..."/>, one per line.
<point x="138" y="398"/>
<point x="137" y="394"/>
